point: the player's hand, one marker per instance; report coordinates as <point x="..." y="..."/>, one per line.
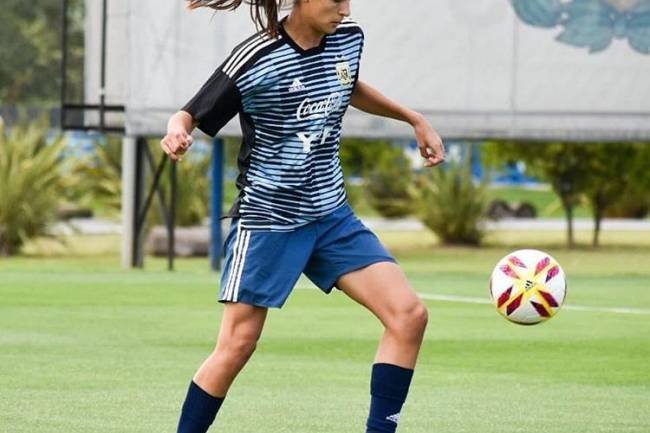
<point x="176" y="143"/>
<point x="429" y="142"/>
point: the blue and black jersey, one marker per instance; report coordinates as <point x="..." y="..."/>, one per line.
<point x="291" y="104"/>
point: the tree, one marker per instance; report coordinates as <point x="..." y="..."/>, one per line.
<point x="30" y="52"/>
<point x="608" y="179"/>
<point x="564" y="165"/>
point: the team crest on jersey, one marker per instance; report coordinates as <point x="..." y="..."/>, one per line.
<point x="344" y="73"/>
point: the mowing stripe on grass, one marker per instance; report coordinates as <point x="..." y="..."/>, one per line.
<point x="471" y="300"/>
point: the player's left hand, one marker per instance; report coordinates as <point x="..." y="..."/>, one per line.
<point x="430" y="143"/>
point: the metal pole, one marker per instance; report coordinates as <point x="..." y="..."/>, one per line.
<point x="102" y="84"/>
<point x="164" y="212"/>
<point x="64" y="58"/>
<point x="138" y="253"/>
<point x="216" y="201"/>
<point x="155" y="187"/>
<point x="171" y="238"/>
<point x="129" y="205"/>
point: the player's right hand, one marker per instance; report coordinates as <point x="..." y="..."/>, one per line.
<point x="176" y="143"/>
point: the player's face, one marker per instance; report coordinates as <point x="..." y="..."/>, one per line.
<point x="326" y="15"/>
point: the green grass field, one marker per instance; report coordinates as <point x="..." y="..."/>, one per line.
<point x="86" y="347"/>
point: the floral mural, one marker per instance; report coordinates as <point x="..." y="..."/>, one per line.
<point x="591" y="24"/>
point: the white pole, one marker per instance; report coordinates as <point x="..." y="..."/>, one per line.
<point x="128" y="199"/>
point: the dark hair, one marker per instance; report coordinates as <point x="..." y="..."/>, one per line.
<point x="263" y="12"/>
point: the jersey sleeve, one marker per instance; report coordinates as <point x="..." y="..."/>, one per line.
<point x="361" y="43"/>
<point x="215" y="104"/>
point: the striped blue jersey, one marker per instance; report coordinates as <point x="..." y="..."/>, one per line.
<point x="291" y="104"/>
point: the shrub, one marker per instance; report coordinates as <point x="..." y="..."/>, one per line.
<point x="389" y="183"/>
<point x="358" y="155"/>
<point x="635" y="203"/>
<point x="452" y="205"/>
<point x="102" y="182"/>
<point x="353" y="194"/>
<point x="101" y="176"/>
<point x="31" y="183"/>
<point x="192" y="192"/>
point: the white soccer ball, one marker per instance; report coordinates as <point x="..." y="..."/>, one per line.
<point x="528" y="286"/>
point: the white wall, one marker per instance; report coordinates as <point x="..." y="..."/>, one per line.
<point x="473" y="67"/>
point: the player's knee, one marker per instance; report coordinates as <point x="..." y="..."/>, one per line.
<point x="410" y="322"/>
<point x="238" y="348"/>
<point x="420" y="317"/>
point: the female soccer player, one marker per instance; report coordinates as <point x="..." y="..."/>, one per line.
<point x="291" y="84"/>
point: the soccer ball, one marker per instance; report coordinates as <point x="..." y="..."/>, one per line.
<point x="528" y="287"/>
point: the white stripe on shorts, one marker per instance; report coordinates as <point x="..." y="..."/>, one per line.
<point x="232" y="288"/>
<point x="247" y="239"/>
<point x="233" y="262"/>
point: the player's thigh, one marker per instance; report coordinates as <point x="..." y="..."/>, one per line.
<point x="384" y="289"/>
<point x="241" y="324"/>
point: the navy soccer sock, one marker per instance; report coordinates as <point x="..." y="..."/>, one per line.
<point x="199" y="410"/>
<point x="388" y="389"/>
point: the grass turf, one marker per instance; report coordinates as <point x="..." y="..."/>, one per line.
<point x="86" y="347"/>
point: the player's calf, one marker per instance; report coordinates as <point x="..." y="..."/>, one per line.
<point x="241" y="328"/>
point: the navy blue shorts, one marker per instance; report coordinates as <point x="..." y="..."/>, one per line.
<point x="262" y="267"/>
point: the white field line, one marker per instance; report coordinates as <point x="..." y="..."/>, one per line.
<point x="471" y="300"/>
<point x="486" y="301"/>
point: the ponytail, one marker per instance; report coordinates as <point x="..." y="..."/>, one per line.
<point x="263" y="12"/>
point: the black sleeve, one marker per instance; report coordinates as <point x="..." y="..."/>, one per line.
<point x="356" y="76"/>
<point x="215" y="103"/>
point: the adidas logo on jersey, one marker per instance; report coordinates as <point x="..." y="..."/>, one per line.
<point x="393" y="418"/>
<point x="296" y="86"/>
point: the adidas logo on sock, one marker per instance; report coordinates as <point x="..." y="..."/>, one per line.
<point x="393" y="418"/>
<point x="296" y="86"/>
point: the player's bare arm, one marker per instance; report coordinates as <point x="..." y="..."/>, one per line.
<point x="178" y="138"/>
<point x="368" y="99"/>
